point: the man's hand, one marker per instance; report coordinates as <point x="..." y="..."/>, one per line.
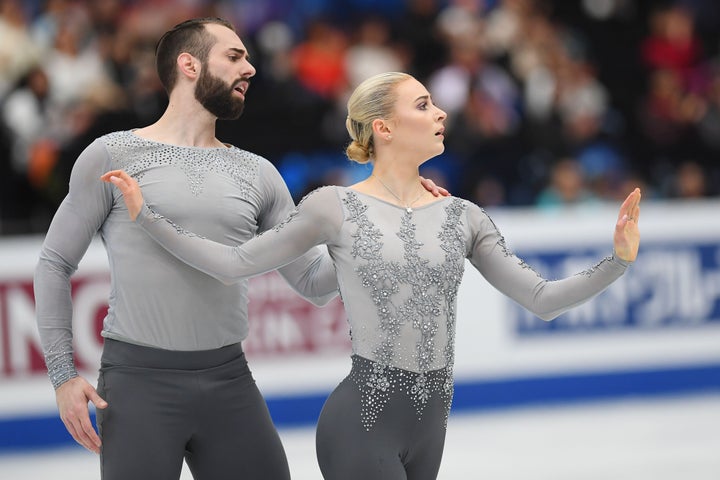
<point x="431" y="187"/>
<point x="72" y="400"/>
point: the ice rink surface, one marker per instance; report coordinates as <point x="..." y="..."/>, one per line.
<point x="669" y="438"/>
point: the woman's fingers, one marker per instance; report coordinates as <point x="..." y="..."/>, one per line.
<point x="129" y="188"/>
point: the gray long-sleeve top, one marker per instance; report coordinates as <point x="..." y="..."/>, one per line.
<point x="399" y="271"/>
<point x="226" y="194"/>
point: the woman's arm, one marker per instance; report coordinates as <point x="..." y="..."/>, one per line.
<point x="314" y="222"/>
<point x="548" y="299"/>
<point x="312" y="275"/>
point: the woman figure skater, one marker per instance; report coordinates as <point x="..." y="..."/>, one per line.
<point x="400" y="253"/>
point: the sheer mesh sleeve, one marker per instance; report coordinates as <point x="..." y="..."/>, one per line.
<point x="315" y="221"/>
<point x="513" y="277"/>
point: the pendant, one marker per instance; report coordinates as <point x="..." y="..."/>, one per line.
<point x="408" y="210"/>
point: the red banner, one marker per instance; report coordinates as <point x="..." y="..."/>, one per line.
<point x="281" y="323"/>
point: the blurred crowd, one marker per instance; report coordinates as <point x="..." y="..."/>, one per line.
<point x="549" y="102"/>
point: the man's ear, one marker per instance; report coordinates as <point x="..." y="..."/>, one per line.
<point x="188" y="65"/>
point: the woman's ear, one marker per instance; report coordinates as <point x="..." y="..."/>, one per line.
<point x="381" y="128"/>
<point x="188" y="65"/>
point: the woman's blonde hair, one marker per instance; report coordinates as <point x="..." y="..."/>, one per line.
<point x="372" y="99"/>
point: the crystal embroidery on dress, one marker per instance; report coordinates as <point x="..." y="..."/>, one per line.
<point x="433" y="293"/>
<point x="506" y="250"/>
<point x="293" y="213"/>
<point x="589" y="271"/>
<point x="180" y="230"/>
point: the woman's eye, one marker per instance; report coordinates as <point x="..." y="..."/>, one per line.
<point x="423" y="106"/>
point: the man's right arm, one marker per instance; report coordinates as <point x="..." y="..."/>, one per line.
<point x="76" y="222"/>
<point x="74" y="225"/>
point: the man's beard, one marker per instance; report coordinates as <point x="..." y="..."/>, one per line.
<point x="217" y="97"/>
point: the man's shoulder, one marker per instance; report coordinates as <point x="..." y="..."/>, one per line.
<point x="120" y="136"/>
<point x="261" y="167"/>
<point x="249" y="156"/>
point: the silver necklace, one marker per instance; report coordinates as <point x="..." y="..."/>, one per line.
<point x="408" y="206"/>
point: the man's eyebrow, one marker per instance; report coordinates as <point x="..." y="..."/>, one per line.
<point x="240" y="52"/>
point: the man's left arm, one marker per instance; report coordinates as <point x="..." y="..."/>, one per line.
<point x="313" y="274"/>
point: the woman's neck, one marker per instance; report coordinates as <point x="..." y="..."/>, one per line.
<point x="402" y="179"/>
<point x="403" y="185"/>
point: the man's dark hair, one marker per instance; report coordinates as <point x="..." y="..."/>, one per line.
<point x="189" y="36"/>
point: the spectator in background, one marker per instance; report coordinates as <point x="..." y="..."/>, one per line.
<point x="582" y="102"/>
<point x="672" y="42"/>
<point x="74" y="64"/>
<point x="709" y="123"/>
<point x="18" y="52"/>
<point x="417" y="30"/>
<point x="566" y="187"/>
<point x="27" y="113"/>
<point x="689" y="182"/>
<point x="667" y="112"/>
<point x="504" y="26"/>
<point x="372" y="51"/>
<point x="45" y="26"/>
<point x="25" y="119"/>
<point x="319" y="60"/>
<point x="482" y="101"/>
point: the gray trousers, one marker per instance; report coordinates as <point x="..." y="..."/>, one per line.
<point x="399" y="446"/>
<point x="201" y="406"/>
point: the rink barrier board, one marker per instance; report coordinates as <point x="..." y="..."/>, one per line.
<point x="47" y="431"/>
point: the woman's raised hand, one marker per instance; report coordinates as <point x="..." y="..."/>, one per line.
<point x="626" y="239"/>
<point x="129" y="188"/>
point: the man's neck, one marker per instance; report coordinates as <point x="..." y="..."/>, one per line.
<point x="191" y="126"/>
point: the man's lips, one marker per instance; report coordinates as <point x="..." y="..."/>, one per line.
<point x="242" y="87"/>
